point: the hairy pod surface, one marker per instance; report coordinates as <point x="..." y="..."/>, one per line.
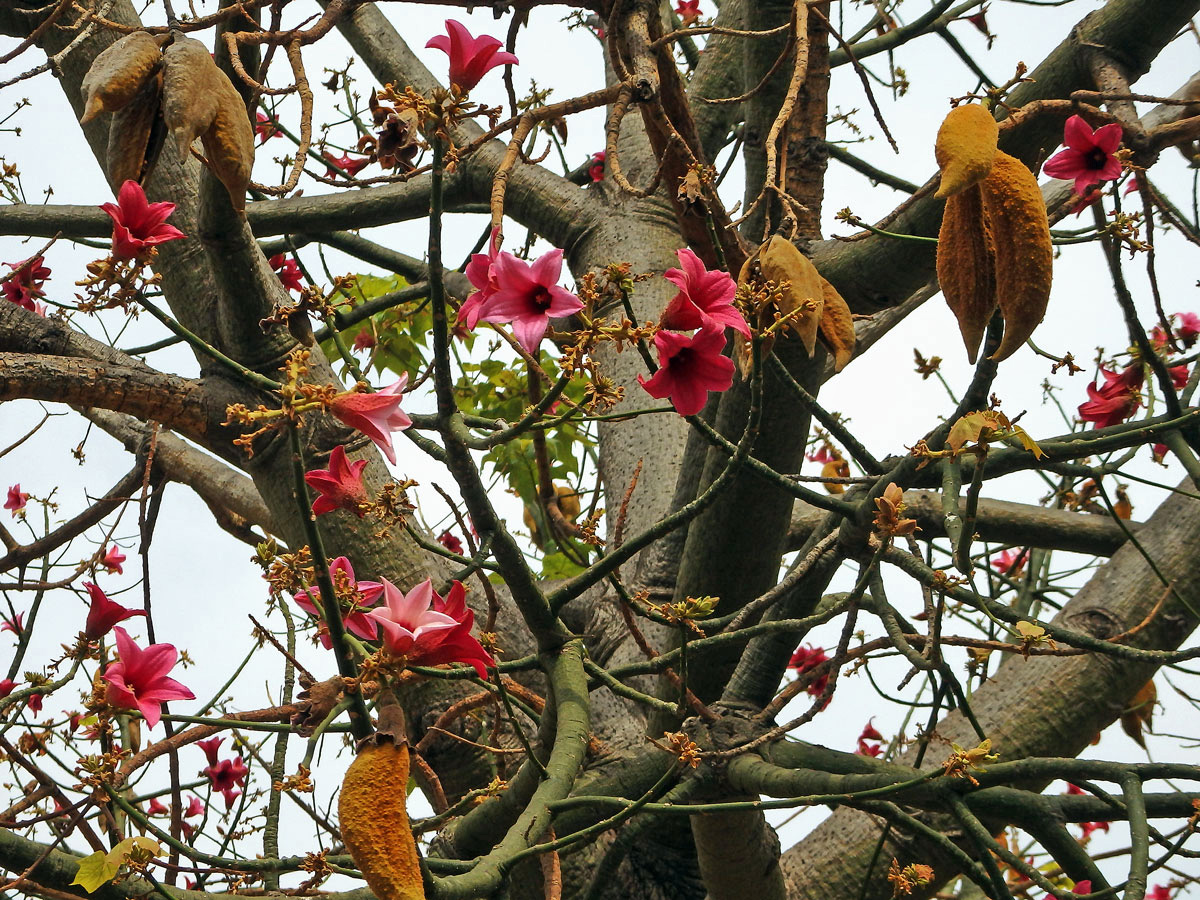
<point x="229" y="144"/>
<point x="191" y="95"/>
<point x="118" y="73"/>
<point x="781" y="262"/>
<point x="136" y="134"/>
<point x="1016" y="216"/>
<point x="966" y="266"/>
<point x="374" y="821"/>
<point x="837" y="326"/>
<point x="965" y="148"/>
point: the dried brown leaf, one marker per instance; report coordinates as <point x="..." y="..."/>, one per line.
<point x="837" y="326"/>
<point x="118" y="73"/>
<point x="1140" y="713"/>
<point x="803" y="296"/>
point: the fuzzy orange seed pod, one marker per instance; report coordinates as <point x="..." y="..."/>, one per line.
<point x="374" y="820"/>
<point x="118" y="73"/>
<point x="837" y="326"/>
<point x="966" y="266"/>
<point x="965" y="148"/>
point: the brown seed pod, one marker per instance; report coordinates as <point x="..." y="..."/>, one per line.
<point x="191" y="90"/>
<point x="965" y="148"/>
<point x="118" y="73"/>
<point x="1016" y="217"/>
<point x="966" y="266"/>
<point x="136" y="134"/>
<point x="229" y="146"/>
<point x="837" y="326"/>
<point x="780" y="261"/>
<point x="374" y="820"/>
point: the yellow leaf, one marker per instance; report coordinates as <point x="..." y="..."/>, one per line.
<point x="94" y="871"/>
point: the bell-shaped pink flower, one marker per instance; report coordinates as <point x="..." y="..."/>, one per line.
<point x="1088" y="157"/>
<point x="24" y="286"/>
<point x="340" y="486"/>
<point x="210" y="748"/>
<point x="703" y="295"/>
<point x="16" y="499"/>
<point x="481" y="273"/>
<point x="114" y="560"/>
<point x="137" y="223"/>
<point x="103" y="614"/>
<point x="376" y="415"/>
<point x="349" y="165"/>
<point x="288" y="271"/>
<point x="688" y="368"/>
<point x="1117" y="400"/>
<point x="226" y="776"/>
<point x="528" y="296"/>
<point x="264" y="127"/>
<point x="426" y="630"/>
<point x="138" y="678"/>
<point x="356" y="621"/>
<point x="470" y="57"/>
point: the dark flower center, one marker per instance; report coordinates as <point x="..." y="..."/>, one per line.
<point x="1096" y="158"/>
<point x="682" y="359"/>
<point x="542" y="298"/>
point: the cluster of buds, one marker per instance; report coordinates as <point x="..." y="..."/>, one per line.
<point x="117" y="283"/>
<point x="906" y="880"/>
<point x="960" y="761"/>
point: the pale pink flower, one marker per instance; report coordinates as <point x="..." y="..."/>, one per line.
<point x="703" y="296"/>
<point x="426" y="630"/>
<point x="1088" y="157"/>
<point x="138" y="678"/>
<point x="470" y="57"/>
<point x="103" y="613"/>
<point x="137" y="223"/>
<point x="481" y="273"/>
<point x="340" y="486"/>
<point x="114" y="560"/>
<point x="528" y="296"/>
<point x="16" y="499"/>
<point x="376" y="415"/>
<point x="356" y="620"/>
<point x="688" y="368"/>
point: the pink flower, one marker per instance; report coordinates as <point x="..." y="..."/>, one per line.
<point x="24" y="286"/>
<point x="35" y="702"/>
<point x="450" y="542"/>
<point x="1088" y="827"/>
<point x="155" y="808"/>
<point x="16" y="499"/>
<point x="1010" y="562"/>
<point x="689" y="367"/>
<point x="825" y="455"/>
<point x="596" y="169"/>
<point x="349" y="165"/>
<point x="703" y="297"/>
<point x="364" y="340"/>
<point x="1130" y="186"/>
<point x="1088" y="157"/>
<point x="356" y="621"/>
<point x="195" y="808"/>
<point x="288" y="271"/>
<point x="104" y="613"/>
<point x="376" y="415"/>
<point x="1117" y="400"/>
<point x="1159" y="452"/>
<point x="470" y="57"/>
<point x="1158" y="892"/>
<point x="113" y="560"/>
<point x="1082" y="887"/>
<point x="16" y="624"/>
<point x="427" y="630"/>
<point x="869" y="733"/>
<point x="210" y="748"/>
<point x="481" y="273"/>
<point x="6" y="687"/>
<point x="138" y="678"/>
<point x="1179" y="376"/>
<point x="264" y="127"/>
<point x="1092" y="196"/>
<point x="1188" y="329"/>
<point x="805" y="659"/>
<point x="688" y="11"/>
<point x="528" y="296"/>
<point x="340" y="486"/>
<point x="138" y="224"/>
<point x="226" y="776"/>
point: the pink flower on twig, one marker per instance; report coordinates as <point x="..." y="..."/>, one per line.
<point x="528" y="296"/>
<point x="226" y="776"/>
<point x="113" y="560"/>
<point x="376" y="415"/>
<point x="264" y="127"/>
<point x="349" y="165"/>
<point x="1117" y="400"/>
<point x="366" y="593"/>
<point x="24" y="286"/>
<point x="1088" y="157"/>
<point x="470" y="57"/>
<point x="103" y="613"/>
<point x="703" y="296"/>
<point x="689" y="367"/>
<point x="138" y="678"/>
<point x="805" y="659"/>
<point x="426" y="630"/>
<point x="288" y="271"/>
<point x="481" y="273"/>
<point x="16" y="499"/>
<point x="137" y="223"/>
<point x="340" y="486"/>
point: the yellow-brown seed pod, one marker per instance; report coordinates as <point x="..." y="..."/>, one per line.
<point x="118" y="73"/>
<point x="1016" y="217"/>
<point x="966" y="266"/>
<point x="229" y="146"/>
<point x="965" y="148"/>
<point x="837" y="326"/>
<point x="781" y="261"/>
<point x="374" y="820"/>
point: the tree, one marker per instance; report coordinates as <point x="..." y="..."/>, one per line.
<point x="664" y="591"/>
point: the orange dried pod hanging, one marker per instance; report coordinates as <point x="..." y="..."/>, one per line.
<point x="966" y="266"/>
<point x="837" y="326"/>
<point x="118" y="73"/>
<point x="965" y="148"/>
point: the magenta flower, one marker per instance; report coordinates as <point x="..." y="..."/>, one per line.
<point x="688" y="11"/>
<point x="137" y="223"/>
<point x="1084" y="886"/>
<point x="481" y="272"/>
<point x="104" y="613"/>
<point x="113" y="560"/>
<point x="429" y="631"/>
<point x="528" y="296"/>
<point x="340" y="486"/>
<point x="6" y="687"/>
<point x="355" y="621"/>
<point x="210" y="748"/>
<point x="24" y="286"/>
<point x="138" y="678"/>
<point x="470" y="57"/>
<point x="1117" y="400"/>
<point x="688" y="368"/>
<point x="376" y="415"/>
<point x="195" y="808"/>
<point x="264" y="127"/>
<point x="869" y="733"/>
<point x="16" y="499"/>
<point x="349" y="165"/>
<point x="155" y="808"/>
<point x="16" y="624"/>
<point x="1011" y="561"/>
<point x="596" y="169"/>
<point x="450" y="542"/>
<point x="364" y="340"/>
<point x="288" y="271"/>
<point x="1088" y="157"/>
<point x="226" y="776"/>
<point x="703" y="297"/>
<point x="804" y="659"/>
